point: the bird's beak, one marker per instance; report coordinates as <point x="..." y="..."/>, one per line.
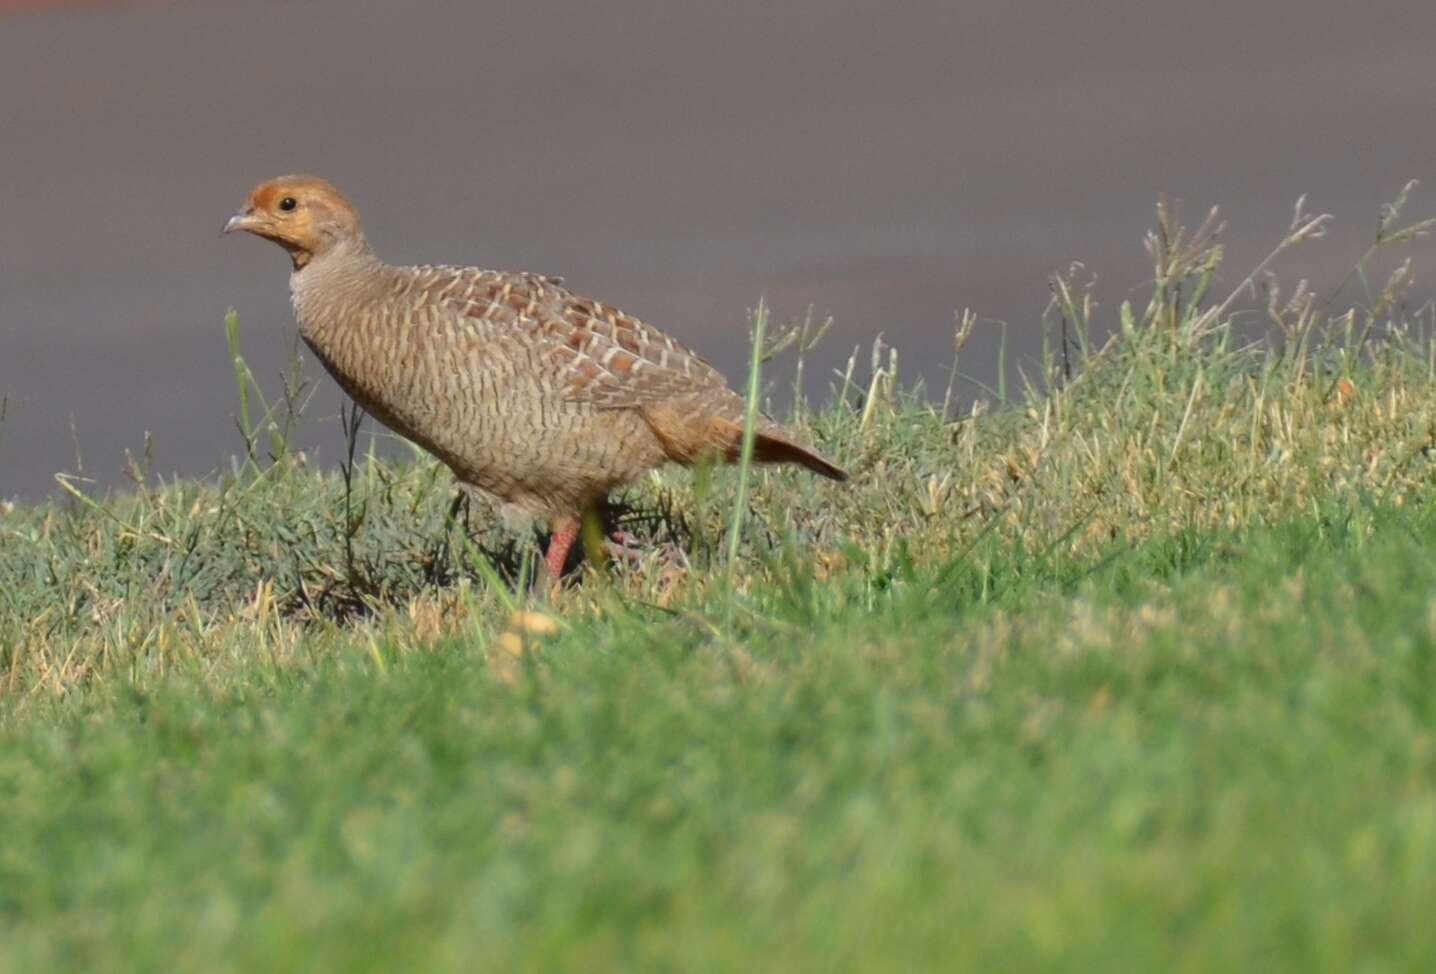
<point x="243" y="220"/>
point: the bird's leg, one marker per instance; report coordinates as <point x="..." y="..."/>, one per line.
<point x="617" y="543"/>
<point x="624" y="547"/>
<point x="587" y="527"/>
<point x="461" y="503"/>
<point x="594" y="545"/>
<point x="565" y="533"/>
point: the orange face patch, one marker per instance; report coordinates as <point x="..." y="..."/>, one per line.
<point x="266" y="197"/>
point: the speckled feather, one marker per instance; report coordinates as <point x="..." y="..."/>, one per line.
<point x="541" y="397"/>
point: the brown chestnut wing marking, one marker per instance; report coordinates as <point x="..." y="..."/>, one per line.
<point x="599" y="355"/>
<point x="614" y="361"/>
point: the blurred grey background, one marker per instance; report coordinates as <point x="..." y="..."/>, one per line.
<point x="886" y="163"/>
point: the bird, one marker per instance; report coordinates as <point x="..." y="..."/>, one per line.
<point x="539" y="397"/>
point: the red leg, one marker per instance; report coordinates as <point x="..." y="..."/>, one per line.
<point x="564" y="535"/>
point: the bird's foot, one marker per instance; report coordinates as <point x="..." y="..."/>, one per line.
<point x="624" y="547"/>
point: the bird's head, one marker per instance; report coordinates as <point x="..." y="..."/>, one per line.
<point x="305" y="215"/>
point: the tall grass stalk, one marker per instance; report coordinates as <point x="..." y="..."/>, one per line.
<point x="241" y="380"/>
<point x="750" y="435"/>
<point x="292" y="400"/>
<point x="962" y="331"/>
<point x="1002" y="366"/>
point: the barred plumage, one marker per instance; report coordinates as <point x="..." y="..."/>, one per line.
<point x="545" y="399"/>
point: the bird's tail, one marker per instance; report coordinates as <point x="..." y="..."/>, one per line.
<point x="721" y="437"/>
<point x="773" y="447"/>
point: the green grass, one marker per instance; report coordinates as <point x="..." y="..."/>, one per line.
<point x="1205" y="753"/>
<point x="1136" y="671"/>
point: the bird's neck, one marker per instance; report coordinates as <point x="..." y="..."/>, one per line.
<point x="329" y="285"/>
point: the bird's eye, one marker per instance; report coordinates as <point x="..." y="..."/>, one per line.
<point x="288" y="203"/>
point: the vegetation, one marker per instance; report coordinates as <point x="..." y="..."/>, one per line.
<point x="1135" y="669"/>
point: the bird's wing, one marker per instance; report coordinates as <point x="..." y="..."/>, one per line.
<point x="600" y="355"/>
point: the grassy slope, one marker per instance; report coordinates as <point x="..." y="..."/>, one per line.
<point x="1206" y="753"/>
<point x="1136" y="672"/>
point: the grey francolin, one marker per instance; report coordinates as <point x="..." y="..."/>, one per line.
<point x="543" y="399"/>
